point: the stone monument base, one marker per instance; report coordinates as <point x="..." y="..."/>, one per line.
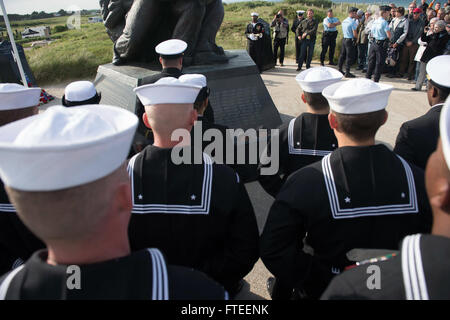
<point x="238" y="95"/>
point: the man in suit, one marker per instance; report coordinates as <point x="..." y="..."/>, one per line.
<point x="418" y="138"/>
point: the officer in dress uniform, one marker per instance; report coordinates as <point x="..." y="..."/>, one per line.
<point x="255" y="40"/>
<point x="295" y="24"/>
<point x="17" y="243"/>
<point x="75" y="196"/>
<point x="348" y="52"/>
<point x="419" y="271"/>
<point x="81" y="93"/>
<point x="343" y="201"/>
<point x="378" y="49"/>
<point x="307" y="138"/>
<point x="418" y="138"/>
<point x="197" y="211"/>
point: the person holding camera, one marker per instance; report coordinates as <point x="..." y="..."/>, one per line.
<point x="329" y="37"/>
<point x="436" y="39"/>
<point x="399" y="27"/>
<point x="377" y="54"/>
<point x="280" y="35"/>
<point x="306" y="32"/>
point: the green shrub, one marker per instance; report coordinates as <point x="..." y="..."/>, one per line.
<point x="58" y="29"/>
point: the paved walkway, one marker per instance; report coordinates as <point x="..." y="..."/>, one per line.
<point x="404" y="105"/>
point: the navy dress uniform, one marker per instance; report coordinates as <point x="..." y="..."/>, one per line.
<point x="80" y="93"/>
<point x="98" y="138"/>
<point x="295" y="24"/>
<point x="342" y="203"/>
<point x="199" y="214"/>
<point x="255" y="41"/>
<point x="418" y="138"/>
<point x="307" y="138"/>
<point x="378" y="48"/>
<point x="17" y="243"/>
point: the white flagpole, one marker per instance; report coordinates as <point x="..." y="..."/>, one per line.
<point x="11" y="38"/>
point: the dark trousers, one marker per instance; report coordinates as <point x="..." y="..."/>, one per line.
<point x="279" y="43"/>
<point x="328" y="40"/>
<point x="297" y="49"/>
<point x="348" y="54"/>
<point x="362" y="55"/>
<point x="407" y="63"/>
<point x="377" y="58"/>
<point x="306" y="52"/>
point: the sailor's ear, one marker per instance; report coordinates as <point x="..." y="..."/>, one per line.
<point x="332" y="120"/>
<point x="145" y="119"/>
<point x="303" y="98"/>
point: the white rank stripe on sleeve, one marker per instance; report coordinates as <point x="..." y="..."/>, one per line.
<point x="5" y="284"/>
<point x="306" y="152"/>
<point x="205" y="203"/>
<point x="7" y="207"/>
<point x="160" y="282"/>
<point x="339" y="213"/>
<point x="412" y="269"/>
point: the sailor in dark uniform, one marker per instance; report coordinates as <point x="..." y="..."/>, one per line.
<point x="255" y="40"/>
<point x="17" y="243"/>
<point x="294" y="30"/>
<point x="417" y="138"/>
<point x="81" y="93"/>
<point x="360" y="196"/>
<point x="196" y="211"/>
<point x="171" y="58"/>
<point x="420" y="270"/>
<point x="80" y="206"/>
<point x="307" y="138"/>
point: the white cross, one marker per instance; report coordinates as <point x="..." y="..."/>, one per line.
<point x="140" y="197"/>
<point x="193" y="197"/>
<point x="347" y="200"/>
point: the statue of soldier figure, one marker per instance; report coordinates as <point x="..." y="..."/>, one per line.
<point x="137" y="26"/>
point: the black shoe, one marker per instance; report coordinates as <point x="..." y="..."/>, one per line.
<point x="341" y="71"/>
<point x="299" y="69"/>
<point x="359" y="68"/>
<point x="349" y="75"/>
<point x="331" y="63"/>
<point x="410" y="78"/>
<point x="390" y="75"/>
<point x="414" y="89"/>
<point x="364" y="71"/>
<point x="322" y="64"/>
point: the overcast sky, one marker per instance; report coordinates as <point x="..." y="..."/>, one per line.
<point x="28" y="6"/>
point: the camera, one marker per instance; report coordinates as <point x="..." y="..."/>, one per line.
<point x="278" y="16"/>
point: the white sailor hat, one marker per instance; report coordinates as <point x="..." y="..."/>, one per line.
<point x="194" y="79"/>
<point x="357" y="96"/>
<point x="437" y="70"/>
<point x="168" y="91"/>
<point x="314" y="80"/>
<point x="15" y="96"/>
<point x="300" y="12"/>
<point x="79" y="91"/>
<point x="171" y="48"/>
<point x="444" y="128"/>
<point x="65" y="147"/>
<point x="254" y="14"/>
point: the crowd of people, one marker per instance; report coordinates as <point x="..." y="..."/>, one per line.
<point x="390" y="40"/>
<point x="75" y="195"/>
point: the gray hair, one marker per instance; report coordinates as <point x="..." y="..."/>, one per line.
<point x="440" y="24"/>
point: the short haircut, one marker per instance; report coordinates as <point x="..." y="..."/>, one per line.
<point x="443" y="92"/>
<point x="401" y="10"/>
<point x="360" y="127"/>
<point x="316" y="101"/>
<point x="8" y="116"/>
<point x="310" y="10"/>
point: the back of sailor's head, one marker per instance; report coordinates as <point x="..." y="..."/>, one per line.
<point x="17" y="102"/>
<point x="64" y="169"/>
<point x="169" y="104"/>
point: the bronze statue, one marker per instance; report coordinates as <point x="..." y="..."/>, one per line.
<point x="137" y="26"/>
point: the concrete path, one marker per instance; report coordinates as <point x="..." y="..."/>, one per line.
<point x="404" y="105"/>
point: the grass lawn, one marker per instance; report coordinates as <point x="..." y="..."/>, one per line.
<point x="76" y="54"/>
